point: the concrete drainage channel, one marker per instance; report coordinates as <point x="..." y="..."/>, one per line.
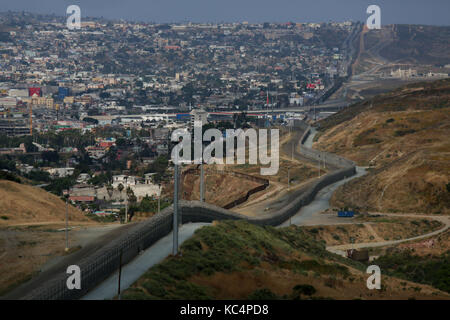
<point x="321" y="202"/>
<point x="97" y="268"/>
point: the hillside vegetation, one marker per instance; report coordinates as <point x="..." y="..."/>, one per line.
<point x="238" y="260"/>
<point x="403" y="137"/>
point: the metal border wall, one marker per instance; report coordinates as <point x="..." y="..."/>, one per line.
<point x="98" y="266"/>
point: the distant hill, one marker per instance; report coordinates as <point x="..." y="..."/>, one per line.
<point x="20" y="203"/>
<point x="404" y="136"/>
<point x="403" y="44"/>
<point x="415" y="43"/>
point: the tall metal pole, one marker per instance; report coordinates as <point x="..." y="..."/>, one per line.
<point x="292" y="155"/>
<point x="175" y="211"/>
<point x="126" y="208"/>
<point x="319" y="166"/>
<point x="67" y="223"/>
<point x="202" y="187"/>
<point x="126" y="199"/>
<point x="288" y="179"/>
<point x="120" y="274"/>
<point x="159" y="199"/>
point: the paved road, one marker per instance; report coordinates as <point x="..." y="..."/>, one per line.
<point x="320" y="203"/>
<point x="139" y="265"/>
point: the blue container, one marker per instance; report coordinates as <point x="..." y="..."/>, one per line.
<point x="346" y="214"/>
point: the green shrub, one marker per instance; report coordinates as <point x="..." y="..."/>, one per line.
<point x="263" y="294"/>
<point x="305" y="289"/>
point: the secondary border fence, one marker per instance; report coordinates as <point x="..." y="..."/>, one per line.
<point x="264" y="183"/>
<point x="97" y="267"/>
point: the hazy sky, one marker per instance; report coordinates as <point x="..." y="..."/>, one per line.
<point x="392" y="11"/>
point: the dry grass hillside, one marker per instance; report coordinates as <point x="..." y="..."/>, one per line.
<point x="220" y="188"/>
<point x="403" y="44"/>
<point x="20" y="203"/>
<point x="403" y="137"/>
<point x="238" y="260"/>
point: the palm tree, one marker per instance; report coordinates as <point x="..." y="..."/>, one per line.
<point x="120" y="187"/>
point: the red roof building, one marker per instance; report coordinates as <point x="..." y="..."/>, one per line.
<point x="32" y="91"/>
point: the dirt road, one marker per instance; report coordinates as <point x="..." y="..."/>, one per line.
<point x="341" y="249"/>
<point x="93" y="241"/>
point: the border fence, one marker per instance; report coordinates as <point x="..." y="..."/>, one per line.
<point x="97" y="267"/>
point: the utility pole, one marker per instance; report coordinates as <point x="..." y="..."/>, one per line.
<point x="31" y="119"/>
<point x="159" y="198"/>
<point x="126" y="199"/>
<point x="66" y="194"/>
<point x="202" y="187"/>
<point x="288" y="179"/>
<point x="319" y="166"/>
<point x="175" y="211"/>
<point x="120" y="274"/>
<point x="292" y="153"/>
<point x="126" y="208"/>
<point x="67" y="224"/>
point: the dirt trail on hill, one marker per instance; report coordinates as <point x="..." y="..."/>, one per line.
<point x="340" y="249"/>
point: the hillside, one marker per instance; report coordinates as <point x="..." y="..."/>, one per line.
<point x="20" y="203"/>
<point x="403" y="137"/>
<point x="238" y="260"/>
<point x="414" y="43"/>
<point x="403" y="44"/>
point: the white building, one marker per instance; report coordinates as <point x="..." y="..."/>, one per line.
<point x="126" y="181"/>
<point x="60" y="172"/>
<point x="296" y="99"/>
